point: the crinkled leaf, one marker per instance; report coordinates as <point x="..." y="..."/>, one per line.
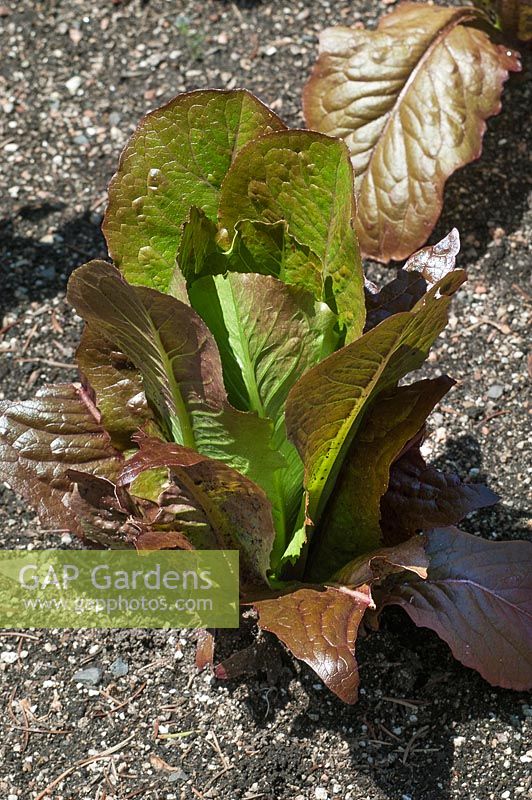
<point x="41" y="438"/>
<point x="306" y="179"/>
<point x="112" y="517"/>
<point x="410" y="100"/>
<point x="101" y="516"/>
<point x="420" y="497"/>
<point x="371" y="567"/>
<point x="350" y="525"/>
<point x="180" y="366"/>
<point x="478" y="599"/>
<point x="437" y="260"/>
<point x="116" y="386"/>
<point x="325" y="407"/>
<point x="231" y="512"/>
<point x="319" y="626"/>
<point x="177" y="158"/>
<point x="258" y="247"/>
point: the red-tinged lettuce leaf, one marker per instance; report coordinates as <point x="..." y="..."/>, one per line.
<point x="228" y="510"/>
<point x="319" y="626"/>
<point x="110" y="516"/>
<point x="326" y="406"/>
<point x="410" y="100"/>
<point x="177" y="158"/>
<point x="41" y="438"/>
<point x="420" y="497"/>
<point x="102" y="514"/>
<point x="373" y="567"/>
<point x="426" y="267"/>
<point x="116" y="386"/>
<point x="350" y="525"/>
<point x="305" y="179"/>
<point x="180" y="366"/>
<point x="478" y="599"/>
<point x="514" y="17"/>
<point x="401" y="294"/>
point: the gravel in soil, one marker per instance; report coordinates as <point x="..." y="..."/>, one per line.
<point x="74" y="80"/>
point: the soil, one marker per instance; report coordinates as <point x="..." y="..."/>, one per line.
<point x="74" y="80"/>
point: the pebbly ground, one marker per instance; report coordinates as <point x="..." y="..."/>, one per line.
<point x="75" y="77"/>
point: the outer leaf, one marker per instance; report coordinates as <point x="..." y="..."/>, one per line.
<point x="320" y="627"/>
<point x="165" y="339"/>
<point x="350" y="525"/>
<point x="101" y="517"/>
<point x="112" y="517"/>
<point x="478" y="599"/>
<point x="177" y="158"/>
<point x="180" y="366"/>
<point x="41" y="438"/>
<point x="325" y="408"/>
<point x="427" y="266"/>
<point x="116" y="386"/>
<point x="437" y="260"/>
<point x="234" y="513"/>
<point x="306" y="179"/>
<point x="410" y="100"/>
<point x="420" y="497"/>
<point x="409" y="556"/>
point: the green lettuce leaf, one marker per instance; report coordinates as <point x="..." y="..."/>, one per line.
<point x="177" y="158"/>
<point x="325" y="408"/>
<point x="268" y="334"/>
<point x="305" y="179"/>
<point x="350" y="525"/>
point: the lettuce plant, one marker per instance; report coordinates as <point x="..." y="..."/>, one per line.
<point x="410" y="100"/>
<point x="243" y="387"/>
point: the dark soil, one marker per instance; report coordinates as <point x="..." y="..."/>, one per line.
<point x="74" y="79"/>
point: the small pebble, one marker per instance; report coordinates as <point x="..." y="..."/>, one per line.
<point x="119" y="668"/>
<point x="73" y="84"/>
<point x="90" y="676"/>
<point x="9" y="656"/>
<point x="495" y="391"/>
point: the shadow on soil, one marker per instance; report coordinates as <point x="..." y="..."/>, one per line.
<point x="32" y="269"/>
